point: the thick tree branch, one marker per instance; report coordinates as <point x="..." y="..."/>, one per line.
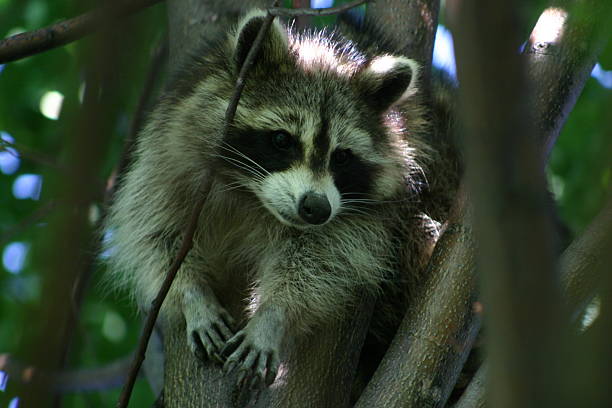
<point x="474" y="394"/>
<point x="561" y="52"/>
<point x="513" y="227"/>
<point x="560" y="55"/>
<point x="582" y="263"/>
<point x="436" y="335"/>
<point x="411" y="25"/>
<point x="26" y="44"/>
<point x="189" y="21"/>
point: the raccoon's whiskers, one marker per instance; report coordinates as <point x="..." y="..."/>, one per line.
<point x="232" y="149"/>
<point x="256" y="173"/>
<point x="236" y="185"/>
<point x="347" y="209"/>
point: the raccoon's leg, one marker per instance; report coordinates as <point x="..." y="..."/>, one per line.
<point x="255" y="350"/>
<point x="208" y="324"/>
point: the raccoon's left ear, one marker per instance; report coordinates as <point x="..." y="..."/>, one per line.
<point x="275" y="47"/>
<point x="388" y="80"/>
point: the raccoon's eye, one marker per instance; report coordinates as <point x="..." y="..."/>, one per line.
<point x="282" y="140"/>
<point x="341" y="157"/>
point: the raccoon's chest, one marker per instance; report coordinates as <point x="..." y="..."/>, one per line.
<point x="234" y="233"/>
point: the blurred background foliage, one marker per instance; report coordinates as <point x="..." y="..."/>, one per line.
<point x="32" y="93"/>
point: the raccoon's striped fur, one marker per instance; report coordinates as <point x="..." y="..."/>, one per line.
<point x="314" y="194"/>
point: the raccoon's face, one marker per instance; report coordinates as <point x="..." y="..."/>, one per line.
<point x="309" y="138"/>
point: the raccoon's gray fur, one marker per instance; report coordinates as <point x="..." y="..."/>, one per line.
<point x="314" y="196"/>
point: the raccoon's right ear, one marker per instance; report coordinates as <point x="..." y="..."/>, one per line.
<point x="275" y="47"/>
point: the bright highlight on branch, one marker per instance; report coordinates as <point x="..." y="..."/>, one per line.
<point x="51" y="104"/>
<point x="550" y="26"/>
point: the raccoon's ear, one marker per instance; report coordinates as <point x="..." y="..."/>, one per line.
<point x="275" y="46"/>
<point x="388" y="80"/>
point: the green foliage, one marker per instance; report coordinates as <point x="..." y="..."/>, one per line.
<point x="108" y="328"/>
<point x="580" y="165"/>
<point x="580" y="173"/>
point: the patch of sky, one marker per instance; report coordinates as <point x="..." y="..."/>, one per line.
<point x="321" y="3"/>
<point x="3" y="380"/>
<point x="9" y="157"/>
<point x="604" y="77"/>
<point x="27" y="186"/>
<point x="14" y="403"/>
<point x="2" y="67"/>
<point x="14" y="256"/>
<point x="443" y="52"/>
<point x="106" y="241"/>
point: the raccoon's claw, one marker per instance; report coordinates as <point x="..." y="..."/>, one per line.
<point x="258" y="364"/>
<point x="208" y="331"/>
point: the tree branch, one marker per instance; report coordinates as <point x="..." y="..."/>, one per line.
<point x="30" y="154"/>
<point x="411" y="25"/>
<point x="436" y="335"/>
<point x="512" y="225"/>
<point x="474" y="394"/>
<point x="101" y="378"/>
<point x="26" y="44"/>
<point x="38" y="215"/>
<point x="582" y="265"/>
<point x="560" y="55"/>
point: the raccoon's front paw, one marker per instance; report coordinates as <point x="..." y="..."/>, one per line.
<point x="209" y="327"/>
<point x="255" y="357"/>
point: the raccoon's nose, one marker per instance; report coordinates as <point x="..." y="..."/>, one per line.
<point x="314" y="208"/>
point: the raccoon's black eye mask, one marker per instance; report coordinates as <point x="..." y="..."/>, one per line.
<point x="272" y="150"/>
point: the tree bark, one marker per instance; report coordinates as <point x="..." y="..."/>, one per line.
<point x="512" y="225"/>
<point x="436" y="335"/>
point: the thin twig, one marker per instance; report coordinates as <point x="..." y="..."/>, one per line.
<point x="26" y="44"/>
<point x="23" y="151"/>
<point x="32" y="219"/>
<point x="105" y="377"/>
<point x="285" y="12"/>
<point x="193" y="222"/>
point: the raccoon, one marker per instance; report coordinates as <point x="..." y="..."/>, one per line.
<point x="314" y="194"/>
